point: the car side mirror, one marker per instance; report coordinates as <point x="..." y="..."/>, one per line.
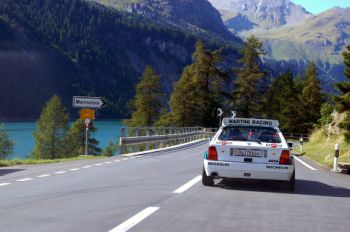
<point x="291" y="145"/>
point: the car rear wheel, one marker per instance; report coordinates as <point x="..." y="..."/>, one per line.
<point x="290" y="185"/>
<point x="207" y="180"/>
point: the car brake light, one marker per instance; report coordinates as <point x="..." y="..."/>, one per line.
<point x="285" y="157"/>
<point x="212" y="153"/>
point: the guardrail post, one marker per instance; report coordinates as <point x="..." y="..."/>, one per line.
<point x="156" y="143"/>
<point x="336" y="157"/>
<point x="121" y="141"/>
<point x="136" y="147"/>
<point x="301" y="143"/>
<point x="147" y="134"/>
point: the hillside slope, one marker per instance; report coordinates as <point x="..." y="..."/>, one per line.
<point x="192" y="15"/>
<point x="72" y="47"/>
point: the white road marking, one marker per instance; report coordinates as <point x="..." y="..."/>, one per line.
<point x="87" y="166"/>
<point x="98" y="164"/>
<point x="74" y="169"/>
<point x="305" y="164"/>
<point x="128" y="224"/>
<point x="116" y="160"/>
<point x="60" y="172"/>
<point x="108" y="162"/>
<point x="4" y="184"/>
<point x="25" y="179"/>
<point x="188" y="185"/>
<point x="44" y="175"/>
<point x="125" y="158"/>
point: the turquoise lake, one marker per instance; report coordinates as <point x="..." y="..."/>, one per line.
<point x="22" y="134"/>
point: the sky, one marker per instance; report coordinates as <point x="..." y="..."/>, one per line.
<point x="318" y="6"/>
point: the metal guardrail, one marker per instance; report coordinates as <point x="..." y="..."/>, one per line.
<point x="296" y="136"/>
<point x="143" y="139"/>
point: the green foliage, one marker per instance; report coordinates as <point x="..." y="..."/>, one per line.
<point x="147" y="102"/>
<point x="6" y="144"/>
<point x="198" y="93"/>
<point x="343" y="101"/>
<point x="326" y="114"/>
<point x="311" y="98"/>
<point x="283" y="103"/>
<point x="111" y="149"/>
<point x="6" y="163"/>
<point x="74" y="144"/>
<point x="247" y="95"/>
<point x="51" y="129"/>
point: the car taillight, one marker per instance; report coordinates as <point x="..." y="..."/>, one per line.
<point x="285" y="157"/>
<point x="212" y="153"/>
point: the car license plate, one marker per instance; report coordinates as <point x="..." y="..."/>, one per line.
<point x="244" y="152"/>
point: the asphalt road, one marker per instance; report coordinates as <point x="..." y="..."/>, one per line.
<point x="149" y="193"/>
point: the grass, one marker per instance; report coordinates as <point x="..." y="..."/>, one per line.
<point x="321" y="149"/>
<point x="7" y="163"/>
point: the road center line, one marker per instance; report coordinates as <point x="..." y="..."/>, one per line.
<point x="25" y="179"/>
<point x="116" y="160"/>
<point x="128" y="224"/>
<point x="108" y="162"/>
<point x="74" y="169"/>
<point x="305" y="164"/>
<point x="44" y="175"/>
<point x="98" y="164"/>
<point x="60" y="172"/>
<point x="87" y="166"/>
<point x="188" y="185"/>
<point x="4" y="184"/>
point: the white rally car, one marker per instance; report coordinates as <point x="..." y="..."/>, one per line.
<point x="246" y="148"/>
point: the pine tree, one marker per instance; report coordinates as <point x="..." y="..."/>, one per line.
<point x="6" y="144"/>
<point x="74" y="144"/>
<point x="186" y="102"/>
<point x="311" y="97"/>
<point x="51" y="129"/>
<point x="343" y="101"/>
<point x="198" y="93"/>
<point x="247" y="96"/>
<point x="147" y="102"/>
<point x="283" y="103"/>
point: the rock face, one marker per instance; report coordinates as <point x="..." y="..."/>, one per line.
<point x="193" y="15"/>
<point x="265" y="14"/>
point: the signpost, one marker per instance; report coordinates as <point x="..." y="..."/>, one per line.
<point x="88" y="102"/>
<point x="220" y="113"/>
<point x="89" y="105"/>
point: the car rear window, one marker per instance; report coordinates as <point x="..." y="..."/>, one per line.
<point x="249" y="133"/>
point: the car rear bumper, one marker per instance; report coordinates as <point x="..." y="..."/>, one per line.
<point x="249" y="170"/>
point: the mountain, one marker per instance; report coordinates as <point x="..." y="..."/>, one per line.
<point x="241" y="15"/>
<point x="74" y="47"/>
<point x="193" y="15"/>
<point x="292" y="36"/>
<point x="322" y="37"/>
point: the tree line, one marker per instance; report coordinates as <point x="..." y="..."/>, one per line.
<point x="247" y="88"/>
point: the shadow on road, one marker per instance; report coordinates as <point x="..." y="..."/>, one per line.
<point x="4" y="172"/>
<point x="302" y="187"/>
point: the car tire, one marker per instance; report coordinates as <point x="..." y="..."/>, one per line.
<point x="207" y="180"/>
<point x="289" y="185"/>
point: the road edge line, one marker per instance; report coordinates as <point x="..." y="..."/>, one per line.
<point x="305" y="164"/>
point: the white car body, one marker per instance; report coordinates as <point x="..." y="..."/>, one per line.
<point x="250" y="159"/>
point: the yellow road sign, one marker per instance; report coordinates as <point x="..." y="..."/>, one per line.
<point x="87" y="114"/>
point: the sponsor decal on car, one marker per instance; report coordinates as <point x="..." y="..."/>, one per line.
<point x="218" y="164"/>
<point x="277" y="167"/>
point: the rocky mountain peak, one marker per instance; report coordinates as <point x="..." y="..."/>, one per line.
<point x="265" y="14"/>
